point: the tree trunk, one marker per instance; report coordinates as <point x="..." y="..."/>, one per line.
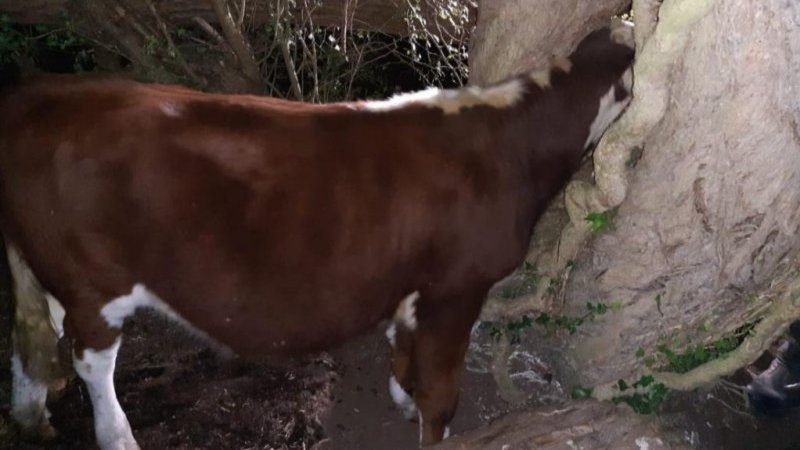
<point x="701" y="173"/>
<point x="708" y="221"/>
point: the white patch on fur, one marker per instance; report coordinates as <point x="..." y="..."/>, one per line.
<point x="446" y="432"/>
<point x="116" y="311"/>
<point x="562" y="63"/>
<point x="406" y="312"/>
<point x="451" y="101"/>
<point x="28" y="398"/>
<point x="401" y="398"/>
<point x="541" y="77"/>
<point x="609" y="110"/>
<point x="96" y="369"/>
<point x="171" y="109"/>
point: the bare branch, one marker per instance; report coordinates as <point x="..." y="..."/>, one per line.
<point x="242" y="9"/>
<point x="307" y="19"/>
<point x="237" y="41"/>
<point x="205" y="26"/>
<point x="171" y="48"/>
<point x="283" y="43"/>
<point x="133" y="22"/>
<point x="371" y="15"/>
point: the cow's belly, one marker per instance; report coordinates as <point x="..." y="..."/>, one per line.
<point x="270" y="323"/>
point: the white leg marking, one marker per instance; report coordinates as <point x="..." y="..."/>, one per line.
<point x="407" y="311"/>
<point x="391" y="333"/>
<point x="446" y="432"/>
<point x="111" y="427"/>
<point x="401" y="398"/>
<point x="28" y="399"/>
<point x="421" y="427"/>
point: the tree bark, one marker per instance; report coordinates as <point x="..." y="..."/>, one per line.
<point x="516" y="35"/>
<point x="701" y="171"/>
<point x="586" y="424"/>
<point x="233" y="34"/>
<point x="708" y="221"/>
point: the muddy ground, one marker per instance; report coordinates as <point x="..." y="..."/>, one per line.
<point x="179" y="394"/>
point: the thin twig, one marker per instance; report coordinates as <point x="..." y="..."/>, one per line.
<point x="133" y="23"/>
<point x="242" y="8"/>
<point x="283" y="44"/>
<point x="171" y="47"/>
<point x="313" y="56"/>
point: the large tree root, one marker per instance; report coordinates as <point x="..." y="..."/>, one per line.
<point x="583" y="424"/>
<point x="661" y="35"/>
<point x="783" y="310"/>
<point x="658" y="48"/>
<point x="657" y="53"/>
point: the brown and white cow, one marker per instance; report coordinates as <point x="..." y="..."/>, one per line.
<point x="275" y="227"/>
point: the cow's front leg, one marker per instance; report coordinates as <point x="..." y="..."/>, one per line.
<point x="401" y="339"/>
<point x="440" y="340"/>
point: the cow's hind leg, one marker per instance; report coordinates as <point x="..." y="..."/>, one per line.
<point x="440" y="342"/>
<point x="34" y="364"/>
<point x="95" y="348"/>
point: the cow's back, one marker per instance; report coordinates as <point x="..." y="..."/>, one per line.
<point x="252" y="219"/>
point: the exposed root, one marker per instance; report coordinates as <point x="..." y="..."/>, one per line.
<point x="650" y="96"/>
<point x="738" y="393"/>
<point x="505" y="386"/>
<point x="785" y="309"/>
<point x="645" y="13"/>
<point x="658" y="48"/>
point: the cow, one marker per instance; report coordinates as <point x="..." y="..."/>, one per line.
<point x="273" y="227"/>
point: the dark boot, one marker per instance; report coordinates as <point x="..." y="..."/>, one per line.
<point x="777" y="389"/>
